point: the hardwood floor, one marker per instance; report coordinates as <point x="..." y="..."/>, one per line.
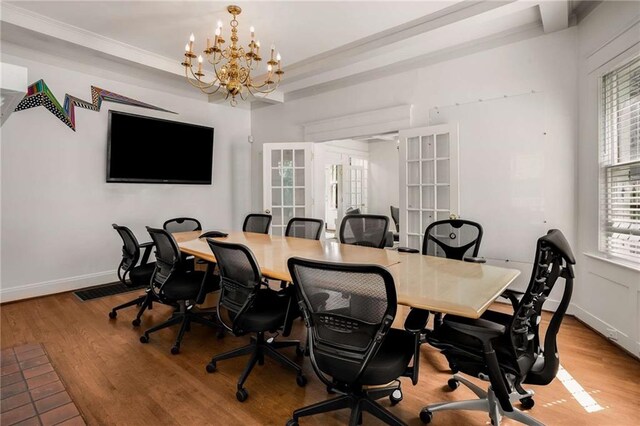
<point x="114" y="379"/>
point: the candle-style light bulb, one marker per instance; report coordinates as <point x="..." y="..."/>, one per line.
<point x="218" y="32"/>
<point x="278" y="57"/>
<point x="186" y="47"/>
<point x="252" y="31"/>
<point x="192" y="38"/>
<point x="200" y="64"/>
<point x="219" y="23"/>
<point x="269" y="68"/>
<point x="200" y="59"/>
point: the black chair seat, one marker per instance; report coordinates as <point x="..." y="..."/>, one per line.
<point x="186" y="286"/>
<point x="268" y="313"/>
<point x="141" y="275"/>
<point x="392" y="358"/>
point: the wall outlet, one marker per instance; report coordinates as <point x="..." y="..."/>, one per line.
<point x="612" y="334"/>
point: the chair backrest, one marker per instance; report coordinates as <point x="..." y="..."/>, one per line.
<point x="395" y="215"/>
<point x="182" y="224"/>
<point x="240" y="280"/>
<point x="452" y="238"/>
<point x="257" y="222"/>
<point x="348" y="310"/>
<point x="168" y="258"/>
<point x="130" y="251"/>
<point x="553" y="260"/>
<point x="302" y="227"/>
<point x="364" y="230"/>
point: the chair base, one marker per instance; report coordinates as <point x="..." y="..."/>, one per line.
<point x="184" y="315"/>
<point x="487" y="402"/>
<point x="144" y="302"/>
<point x="357" y="401"/>
<point x="258" y="348"/>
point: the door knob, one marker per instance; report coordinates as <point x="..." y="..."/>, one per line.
<point x="267" y="211"/>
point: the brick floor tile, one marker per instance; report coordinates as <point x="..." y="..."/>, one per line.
<point x="76" y="421"/>
<point x="17" y="415"/>
<point x="60" y="414"/>
<point x="8" y="360"/>
<point x="6" y="352"/>
<point x="54" y="401"/>
<point x="23" y="356"/>
<point x="42" y="379"/>
<point x="10" y="379"/>
<point x="14" y="389"/>
<point x="46" y="390"/>
<point x="26" y="348"/>
<point x="9" y="369"/>
<point x="15" y="401"/>
<point x="32" y="421"/>
<point x="36" y="371"/>
<point x="34" y="362"/>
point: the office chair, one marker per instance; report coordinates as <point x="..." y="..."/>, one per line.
<point x="302" y="227"/>
<point x="505" y="349"/>
<point x="364" y="230"/>
<point x="257" y="222"/>
<point x="395" y="215"/>
<point x="175" y="285"/>
<point x="139" y="274"/>
<point x="182" y="224"/>
<point x="351" y="342"/>
<point x="250" y="308"/>
<point x="352" y="210"/>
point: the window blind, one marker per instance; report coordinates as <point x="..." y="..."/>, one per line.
<point x="620" y="162"/>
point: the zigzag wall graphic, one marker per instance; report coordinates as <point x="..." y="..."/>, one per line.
<point x="39" y="94"/>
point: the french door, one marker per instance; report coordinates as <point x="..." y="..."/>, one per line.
<point x="429" y="188"/>
<point x="287" y="182"/>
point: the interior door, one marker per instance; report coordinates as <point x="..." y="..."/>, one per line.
<point x="429" y="188"/>
<point x="287" y="182"/>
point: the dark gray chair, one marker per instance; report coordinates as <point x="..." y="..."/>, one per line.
<point x="395" y="215"/>
<point x="139" y="274"/>
<point x="364" y="230"/>
<point x="302" y="227"/>
<point x="257" y="222"/>
<point x="182" y="224"/>
<point x="506" y="348"/>
<point x="348" y="310"/>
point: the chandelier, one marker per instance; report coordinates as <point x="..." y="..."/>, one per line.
<point x="232" y="65"/>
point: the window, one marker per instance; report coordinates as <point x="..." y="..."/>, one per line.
<point x="620" y="162"/>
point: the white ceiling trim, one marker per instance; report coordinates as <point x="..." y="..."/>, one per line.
<point x="555" y="15"/>
<point x="365" y="123"/>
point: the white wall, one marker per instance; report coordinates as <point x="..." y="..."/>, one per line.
<point x="384" y="178"/>
<point x="546" y="64"/>
<point x="607" y="295"/>
<point x="57" y="209"/>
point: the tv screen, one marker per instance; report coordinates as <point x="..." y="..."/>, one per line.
<point x="150" y="150"/>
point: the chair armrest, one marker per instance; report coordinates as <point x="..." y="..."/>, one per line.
<point x="514" y="297"/>
<point x="475" y="259"/>
<point x="416" y="320"/>
<point x="147" y="251"/>
<point x="408" y="250"/>
<point x="479" y="328"/>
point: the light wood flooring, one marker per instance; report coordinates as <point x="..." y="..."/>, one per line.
<point x="116" y="380"/>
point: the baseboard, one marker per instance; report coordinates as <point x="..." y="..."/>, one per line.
<point x="27" y="291"/>
<point x="623" y="341"/>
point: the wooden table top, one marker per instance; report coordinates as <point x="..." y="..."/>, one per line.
<point x="426" y="282"/>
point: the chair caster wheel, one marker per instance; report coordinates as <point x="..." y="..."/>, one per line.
<point x="453" y="384"/>
<point x="453" y="368"/>
<point x="395" y="397"/>
<point x="299" y="351"/>
<point x="330" y="390"/>
<point x="301" y="380"/>
<point x="242" y="395"/>
<point x="292" y="422"/>
<point x="113" y="314"/>
<point x="426" y="416"/>
<point x="136" y="322"/>
<point x="527" y="403"/>
<point x="144" y="339"/>
<point x="175" y="350"/>
<point x="211" y="367"/>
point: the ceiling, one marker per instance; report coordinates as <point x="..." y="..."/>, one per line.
<point x="324" y="45"/>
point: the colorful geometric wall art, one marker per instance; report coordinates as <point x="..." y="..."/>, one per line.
<point x="38" y="94"/>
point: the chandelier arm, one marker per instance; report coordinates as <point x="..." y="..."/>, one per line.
<point x="203" y="86"/>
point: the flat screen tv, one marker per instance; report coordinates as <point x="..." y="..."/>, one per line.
<point x="151" y="150"/>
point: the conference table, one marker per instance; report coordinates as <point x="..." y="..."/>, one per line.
<point x="426" y="282"/>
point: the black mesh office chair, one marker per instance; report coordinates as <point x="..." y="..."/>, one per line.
<point x="395" y="215"/>
<point x="245" y="307"/>
<point x="302" y="227"/>
<point x="175" y="285"/>
<point x="182" y="224"/>
<point x="506" y="348"/>
<point x="257" y="222"/>
<point x="139" y="274"/>
<point x="348" y="310"/>
<point x="364" y="230"/>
